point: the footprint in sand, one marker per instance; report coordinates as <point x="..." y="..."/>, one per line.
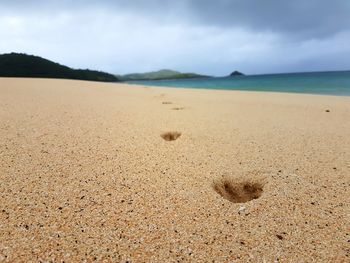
<point x="239" y="190"/>
<point x="170" y="136"/>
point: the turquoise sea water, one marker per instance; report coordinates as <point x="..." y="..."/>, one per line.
<point x="328" y="83"/>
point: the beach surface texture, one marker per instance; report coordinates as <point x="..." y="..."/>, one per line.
<point x="115" y="172"/>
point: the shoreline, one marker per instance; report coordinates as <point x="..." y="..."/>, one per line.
<point x="230" y="90"/>
<point x="182" y="88"/>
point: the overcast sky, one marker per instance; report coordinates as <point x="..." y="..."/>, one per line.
<point x="211" y="37"/>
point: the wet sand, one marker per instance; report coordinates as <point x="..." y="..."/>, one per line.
<point x="111" y="172"/>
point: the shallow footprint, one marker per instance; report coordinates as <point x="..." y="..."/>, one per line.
<point x="170" y="136"/>
<point x="178" y="108"/>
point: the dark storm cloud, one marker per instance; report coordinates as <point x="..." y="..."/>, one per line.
<point x="311" y="18"/>
<point x="209" y="36"/>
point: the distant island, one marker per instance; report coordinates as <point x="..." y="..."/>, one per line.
<point x="23" y="65"/>
<point x="236" y="73"/>
<point x="160" y="75"/>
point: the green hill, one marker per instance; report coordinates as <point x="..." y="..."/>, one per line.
<point x="161" y="74"/>
<point x="23" y="65"/>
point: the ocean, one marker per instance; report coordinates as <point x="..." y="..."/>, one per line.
<point x="327" y="83"/>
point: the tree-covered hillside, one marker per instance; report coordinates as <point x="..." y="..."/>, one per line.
<point x="161" y="74"/>
<point x="23" y="65"/>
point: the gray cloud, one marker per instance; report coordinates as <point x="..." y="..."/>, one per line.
<point x="311" y="18"/>
<point x="212" y="37"/>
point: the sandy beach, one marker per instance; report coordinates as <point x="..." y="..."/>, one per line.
<point x="119" y="173"/>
